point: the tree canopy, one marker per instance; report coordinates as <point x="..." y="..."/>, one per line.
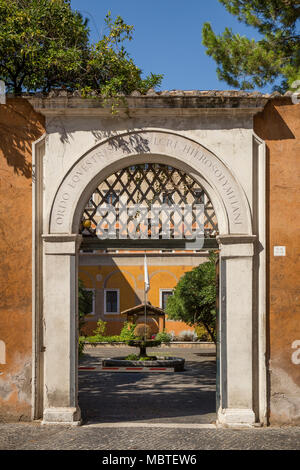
<point x="245" y="63"/>
<point x="194" y="297"/>
<point x="44" y="44"/>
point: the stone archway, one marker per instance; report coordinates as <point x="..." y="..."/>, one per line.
<point x="236" y="240"/>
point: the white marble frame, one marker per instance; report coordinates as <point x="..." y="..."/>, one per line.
<point x="237" y="270"/>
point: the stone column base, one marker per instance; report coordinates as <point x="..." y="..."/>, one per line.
<point x="235" y="417"/>
<point x="62" y="415"/>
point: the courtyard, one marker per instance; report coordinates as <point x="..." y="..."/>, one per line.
<point x="118" y="397"/>
<point x="147" y="411"/>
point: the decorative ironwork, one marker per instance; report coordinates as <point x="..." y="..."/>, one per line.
<point x="148" y="185"/>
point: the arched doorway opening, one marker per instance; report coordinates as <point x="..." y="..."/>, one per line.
<point x="240" y="400"/>
<point x="157" y="211"/>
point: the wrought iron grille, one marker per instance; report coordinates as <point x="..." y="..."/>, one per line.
<point x="147" y="185"/>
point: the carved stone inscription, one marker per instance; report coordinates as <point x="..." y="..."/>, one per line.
<point x="143" y="143"/>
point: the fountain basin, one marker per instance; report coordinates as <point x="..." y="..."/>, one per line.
<point x="172" y="362"/>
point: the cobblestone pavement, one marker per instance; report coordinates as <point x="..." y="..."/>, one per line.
<point x="32" y="436"/>
<point x="135" y="411"/>
<point x="181" y="397"/>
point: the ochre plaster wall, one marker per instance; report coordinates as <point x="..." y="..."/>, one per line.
<point x="279" y="126"/>
<point x="130" y="282"/>
<point x="20" y="125"/>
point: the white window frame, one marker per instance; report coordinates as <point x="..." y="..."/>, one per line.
<point x="118" y="301"/>
<point x="93" y="290"/>
<point x="165" y="289"/>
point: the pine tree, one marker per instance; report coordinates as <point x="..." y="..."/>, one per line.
<point x="245" y="63"/>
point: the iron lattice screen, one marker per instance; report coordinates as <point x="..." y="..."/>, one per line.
<point x="149" y="186"/>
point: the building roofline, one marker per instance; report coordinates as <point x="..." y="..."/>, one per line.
<point x="170" y="103"/>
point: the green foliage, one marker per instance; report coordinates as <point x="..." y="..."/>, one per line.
<point x="85" y="303"/>
<point x="135" y="357"/>
<point x="163" y="336"/>
<point x="101" y="327"/>
<point x="245" y="63"/>
<point x="81" y="345"/>
<point x="194" y="298"/>
<point x="44" y="44"/>
<point x="132" y="357"/>
<point x="201" y="333"/>
<point x="103" y="339"/>
<point x="127" y="332"/>
<point x="41" y="44"/>
<point x="109" y="70"/>
<point x="147" y="358"/>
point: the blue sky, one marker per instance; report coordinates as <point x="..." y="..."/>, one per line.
<point x="167" y="37"/>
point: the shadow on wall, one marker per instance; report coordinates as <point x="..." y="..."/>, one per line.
<point x="103" y="278"/>
<point x="20" y="125"/>
<point x="278" y="125"/>
<point x="271" y="122"/>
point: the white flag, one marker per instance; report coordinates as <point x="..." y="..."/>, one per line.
<point x="146" y="275"/>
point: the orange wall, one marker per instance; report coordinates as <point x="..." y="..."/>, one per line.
<point x="279" y="126"/>
<point x="130" y="279"/>
<point x="20" y="125"/>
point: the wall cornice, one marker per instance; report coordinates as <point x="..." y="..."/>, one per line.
<point x="170" y="103"/>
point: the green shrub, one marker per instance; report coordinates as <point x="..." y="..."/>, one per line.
<point x="111" y="339"/>
<point x="164" y="337"/>
<point x="103" y="339"/>
<point x="81" y="345"/>
<point x="101" y="327"/>
<point x="135" y="357"/>
<point x="127" y="332"/>
<point x="201" y="333"/>
<point x="132" y="357"/>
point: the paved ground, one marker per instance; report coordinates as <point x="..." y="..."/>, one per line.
<point x="147" y="412"/>
<point x="90" y="437"/>
<point x="182" y="397"/>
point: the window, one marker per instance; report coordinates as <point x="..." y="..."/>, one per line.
<point x="111" y="301"/>
<point x="164" y="294"/>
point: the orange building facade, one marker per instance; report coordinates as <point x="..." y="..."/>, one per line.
<point x="20" y="125"/>
<point x="122" y="275"/>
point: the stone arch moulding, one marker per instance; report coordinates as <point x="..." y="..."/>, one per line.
<point x="238" y="402"/>
<point x="112" y="154"/>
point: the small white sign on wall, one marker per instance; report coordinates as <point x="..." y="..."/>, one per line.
<point x="279" y="251"/>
